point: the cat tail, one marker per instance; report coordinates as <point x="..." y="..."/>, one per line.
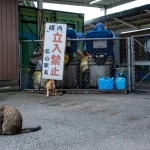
<point x="28" y="130"/>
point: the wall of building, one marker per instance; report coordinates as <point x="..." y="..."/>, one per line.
<point x="8" y="41"/>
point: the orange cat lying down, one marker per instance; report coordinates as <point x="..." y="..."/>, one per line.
<point x="50" y="87"/>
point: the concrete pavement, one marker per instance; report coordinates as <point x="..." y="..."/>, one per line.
<point x="81" y="121"/>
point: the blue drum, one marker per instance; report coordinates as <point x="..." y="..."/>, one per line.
<point x="71" y="46"/>
<point x="106" y="46"/>
<point x="121" y="72"/>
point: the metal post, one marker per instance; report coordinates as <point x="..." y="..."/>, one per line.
<point x="20" y="84"/>
<point x="40" y="18"/>
<point x="132" y="62"/>
<point x="129" y="64"/>
<point x="40" y="4"/>
<point x="105" y="13"/>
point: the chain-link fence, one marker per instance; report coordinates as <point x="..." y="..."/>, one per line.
<point x="30" y="64"/>
<point x="102" y="64"/>
<point x="141" y="62"/>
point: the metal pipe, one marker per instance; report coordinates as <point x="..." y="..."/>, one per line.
<point x="143" y="78"/>
<point x="105" y="13"/>
<point x="20" y="77"/>
<point x="129" y="64"/>
<point x="126" y="23"/>
<point x="40" y="4"/>
<point x="132" y="64"/>
<point x="85" y="39"/>
<point x="40" y="17"/>
<point x="140" y="35"/>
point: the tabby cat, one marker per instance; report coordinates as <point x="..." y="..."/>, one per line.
<point x="11" y="121"/>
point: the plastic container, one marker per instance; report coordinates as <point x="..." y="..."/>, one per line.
<point x="105" y="83"/>
<point x="96" y="71"/>
<point x="36" y="77"/>
<point x="121" y="83"/>
<point x="97" y="46"/>
<point x="121" y="72"/>
<point x="71" y="46"/>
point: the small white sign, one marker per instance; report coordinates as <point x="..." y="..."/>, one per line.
<point x="68" y="43"/>
<point x="100" y="44"/>
<point x="54" y="49"/>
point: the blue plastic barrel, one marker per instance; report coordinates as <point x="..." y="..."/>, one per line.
<point x="93" y="49"/>
<point x="105" y="83"/>
<point x="121" y="72"/>
<point x="121" y="83"/>
<point x="71" y="46"/>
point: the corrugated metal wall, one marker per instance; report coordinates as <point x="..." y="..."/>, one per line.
<point x="8" y="40"/>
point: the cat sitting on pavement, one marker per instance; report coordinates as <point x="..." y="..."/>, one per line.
<point x="50" y="87"/>
<point x="11" y="121"/>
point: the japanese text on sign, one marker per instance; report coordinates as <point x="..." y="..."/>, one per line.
<point x="54" y="49"/>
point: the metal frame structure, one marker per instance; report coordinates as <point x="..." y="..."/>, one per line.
<point x="132" y="19"/>
<point x="102" y="4"/>
<point x="128" y="20"/>
<point x="99" y="4"/>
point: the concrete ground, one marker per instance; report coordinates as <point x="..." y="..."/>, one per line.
<point x="81" y="121"/>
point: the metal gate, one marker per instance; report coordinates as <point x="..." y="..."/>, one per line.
<point x="140" y="49"/>
<point x="101" y="66"/>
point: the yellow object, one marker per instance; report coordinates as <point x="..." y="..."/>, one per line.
<point x="26" y="70"/>
<point x="84" y="64"/>
<point x="37" y="78"/>
<point x="66" y="59"/>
